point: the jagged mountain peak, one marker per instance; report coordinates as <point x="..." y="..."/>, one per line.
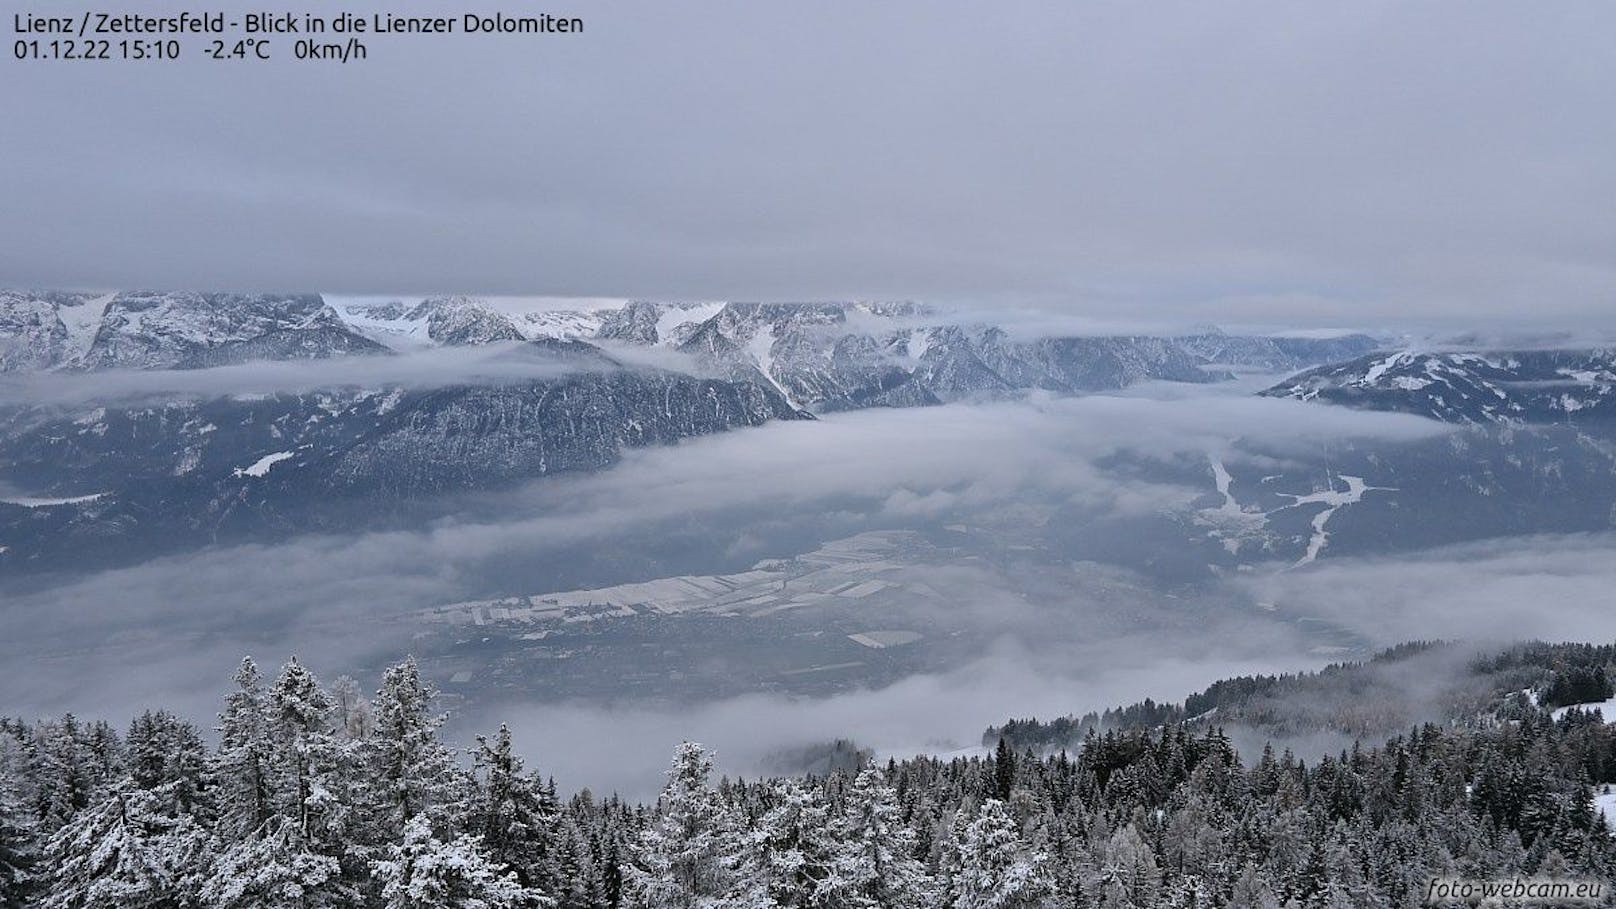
<point x="459" y="320"/>
<point x="463" y="320"/>
<point x="168" y="330"/>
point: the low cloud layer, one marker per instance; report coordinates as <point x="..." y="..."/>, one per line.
<point x="169" y="631"/>
<point x="425" y="368"/>
<point x="1545" y="587"/>
<point x="623" y="748"/>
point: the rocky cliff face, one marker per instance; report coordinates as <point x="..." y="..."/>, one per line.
<point x="39" y="330"/>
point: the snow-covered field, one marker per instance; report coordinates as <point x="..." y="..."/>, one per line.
<point x="1608" y="708"/>
<point x="1605" y="805"/>
<point x="844" y="571"/>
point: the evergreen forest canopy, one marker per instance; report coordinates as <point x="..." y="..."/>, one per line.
<point x="318" y="796"/>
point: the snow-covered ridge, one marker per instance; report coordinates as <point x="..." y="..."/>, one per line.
<point x="835" y="356"/>
<point x="142" y="330"/>
<point x="462" y="320"/>
<point x="1507" y="387"/>
<point x="820" y="356"/>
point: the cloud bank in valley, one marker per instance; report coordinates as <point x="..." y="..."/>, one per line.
<point x="500" y="363"/>
<point x="1554" y="587"/>
<point x="169" y="630"/>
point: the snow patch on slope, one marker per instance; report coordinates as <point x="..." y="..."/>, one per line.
<point x="1230" y="523"/>
<point x="83" y="321"/>
<point x="41" y="502"/>
<point x="261" y="466"/>
<point x="1335" y="500"/>
<point x="672" y="318"/>
<point x="1608" y="708"/>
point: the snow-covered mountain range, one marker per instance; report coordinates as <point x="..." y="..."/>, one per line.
<point x="461" y="321"/>
<point x="820" y="356"/>
<point x="840" y="356"/>
<point x="168" y="330"/>
<point x="1498" y="387"/>
<point x="100" y="477"/>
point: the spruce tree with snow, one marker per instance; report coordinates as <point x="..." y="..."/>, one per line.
<point x="104" y="755"/>
<point x="242" y="765"/>
<point x="1192" y="844"/>
<point x="424" y="872"/>
<point x="281" y="771"/>
<point x="576" y="879"/>
<point x="17" y="852"/>
<point x="166" y="753"/>
<point x="1004" y="770"/>
<point x="1345" y="883"/>
<point x="1128" y="873"/>
<point x="276" y="868"/>
<point x="794" y="859"/>
<point x="514" y="814"/>
<point x="994" y="870"/>
<point x="1252" y="892"/>
<point x="121" y="853"/>
<point x="876" y="862"/>
<point x="685" y="858"/>
<point x="609" y="845"/>
<point x="407" y="770"/>
<point x="62" y="782"/>
<point x="304" y="753"/>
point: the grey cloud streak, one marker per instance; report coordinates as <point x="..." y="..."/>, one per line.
<point x="1531" y="587"/>
<point x="492" y="364"/>
<point x="1256" y="161"/>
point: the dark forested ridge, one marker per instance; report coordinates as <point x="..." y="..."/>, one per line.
<point x="317" y="796"/>
<point x="1391" y="691"/>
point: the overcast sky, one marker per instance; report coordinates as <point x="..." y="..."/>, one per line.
<point x="1286" y="162"/>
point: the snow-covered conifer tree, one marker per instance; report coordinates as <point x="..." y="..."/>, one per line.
<point x="794" y="857"/>
<point x="513" y="813"/>
<point x="685" y="859"/>
<point x="994" y="870"/>
<point x="409" y="772"/>
<point x="17" y="847"/>
<point x="424" y="872"/>
<point x="275" y="868"/>
<point x="120" y="853"/>
<point x="876" y="856"/>
<point x="242" y="764"/>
